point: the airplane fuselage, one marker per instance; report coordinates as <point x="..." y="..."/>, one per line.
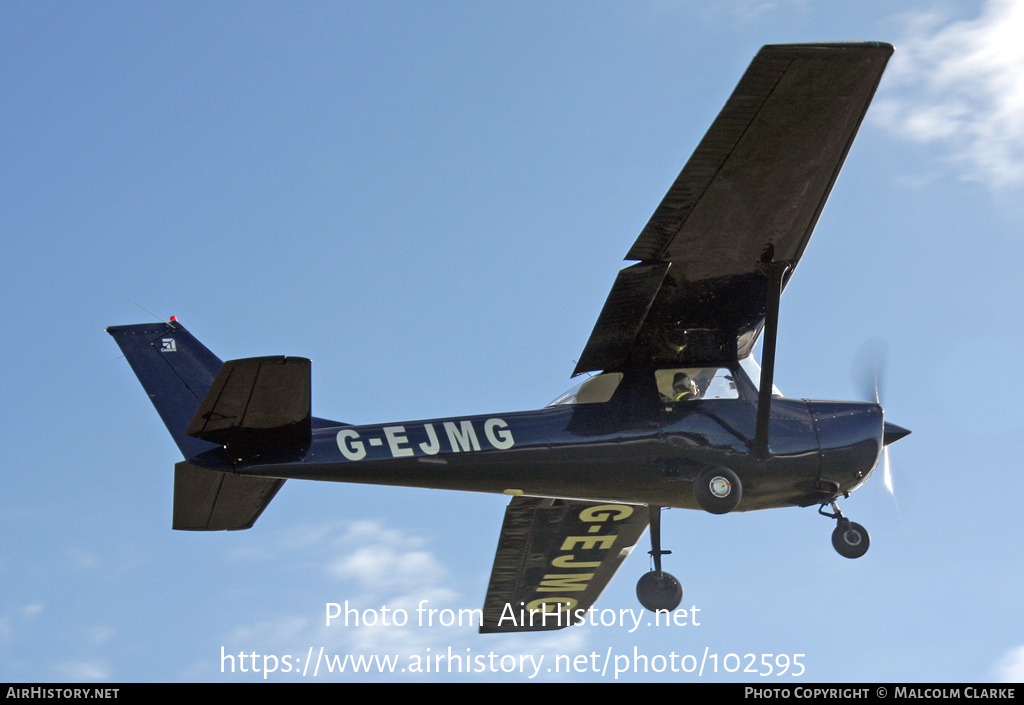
<point x="818" y="449"/>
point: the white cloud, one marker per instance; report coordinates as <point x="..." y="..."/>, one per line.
<point x="376" y="566"/>
<point x="751" y="10"/>
<point x="100" y="634"/>
<point x="30" y="611"/>
<point x="83" y="670"/>
<point x="961" y="85"/>
<point x="83" y="559"/>
<point x="1010" y="668"/>
<point x="385" y="559"/>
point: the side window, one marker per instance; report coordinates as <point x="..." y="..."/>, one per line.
<point x="596" y="390"/>
<point x="689" y="383"/>
<point x="722" y="386"/>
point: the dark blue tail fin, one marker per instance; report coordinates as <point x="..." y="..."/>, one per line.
<point x="175" y="369"/>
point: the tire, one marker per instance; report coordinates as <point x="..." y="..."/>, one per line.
<point x="852" y="541"/>
<point x="659" y="591"/>
<point x="717" y="490"/>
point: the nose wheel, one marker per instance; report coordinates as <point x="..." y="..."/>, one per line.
<point x="850" y="539"/>
<point x="658" y="590"/>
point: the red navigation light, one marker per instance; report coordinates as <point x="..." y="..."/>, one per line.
<point x="174" y="319"/>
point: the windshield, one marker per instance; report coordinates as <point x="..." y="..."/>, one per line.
<point x="753" y="370"/>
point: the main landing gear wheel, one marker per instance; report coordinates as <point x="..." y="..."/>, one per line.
<point x="659" y="591"/>
<point x="850" y="539"/>
<point x="717" y="490"/>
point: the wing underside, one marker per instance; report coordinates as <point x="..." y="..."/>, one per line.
<point x="751" y="194"/>
<point x="555" y="557"/>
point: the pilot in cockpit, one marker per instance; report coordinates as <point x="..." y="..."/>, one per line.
<point x="684" y="388"/>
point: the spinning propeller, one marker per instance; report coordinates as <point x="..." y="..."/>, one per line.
<point x="868" y="373"/>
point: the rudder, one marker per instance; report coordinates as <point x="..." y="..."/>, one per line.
<point x="175" y="369"/>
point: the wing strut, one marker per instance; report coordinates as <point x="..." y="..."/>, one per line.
<point x="776" y="277"/>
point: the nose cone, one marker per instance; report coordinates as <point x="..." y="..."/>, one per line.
<point x="850" y="435"/>
<point x="892" y="433"/>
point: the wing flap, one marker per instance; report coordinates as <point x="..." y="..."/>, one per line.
<point x="623" y="314"/>
<point x="555" y="557"/>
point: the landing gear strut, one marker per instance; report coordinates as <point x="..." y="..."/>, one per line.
<point x="657" y="590"/>
<point x="850" y="539"/>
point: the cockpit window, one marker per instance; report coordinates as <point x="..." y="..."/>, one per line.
<point x="689" y="383"/>
<point x="753" y="370"/>
<point x="596" y="390"/>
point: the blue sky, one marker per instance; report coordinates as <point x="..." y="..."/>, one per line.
<point x="431" y="201"/>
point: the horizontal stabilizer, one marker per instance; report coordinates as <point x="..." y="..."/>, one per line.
<point x="554" y="557"/>
<point x="257" y="406"/>
<point x="210" y="500"/>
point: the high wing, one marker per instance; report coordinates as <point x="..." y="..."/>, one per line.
<point x="555" y="557"/>
<point x="750" y="195"/>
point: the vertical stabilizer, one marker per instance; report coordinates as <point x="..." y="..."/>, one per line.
<point x="175" y="369"/>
